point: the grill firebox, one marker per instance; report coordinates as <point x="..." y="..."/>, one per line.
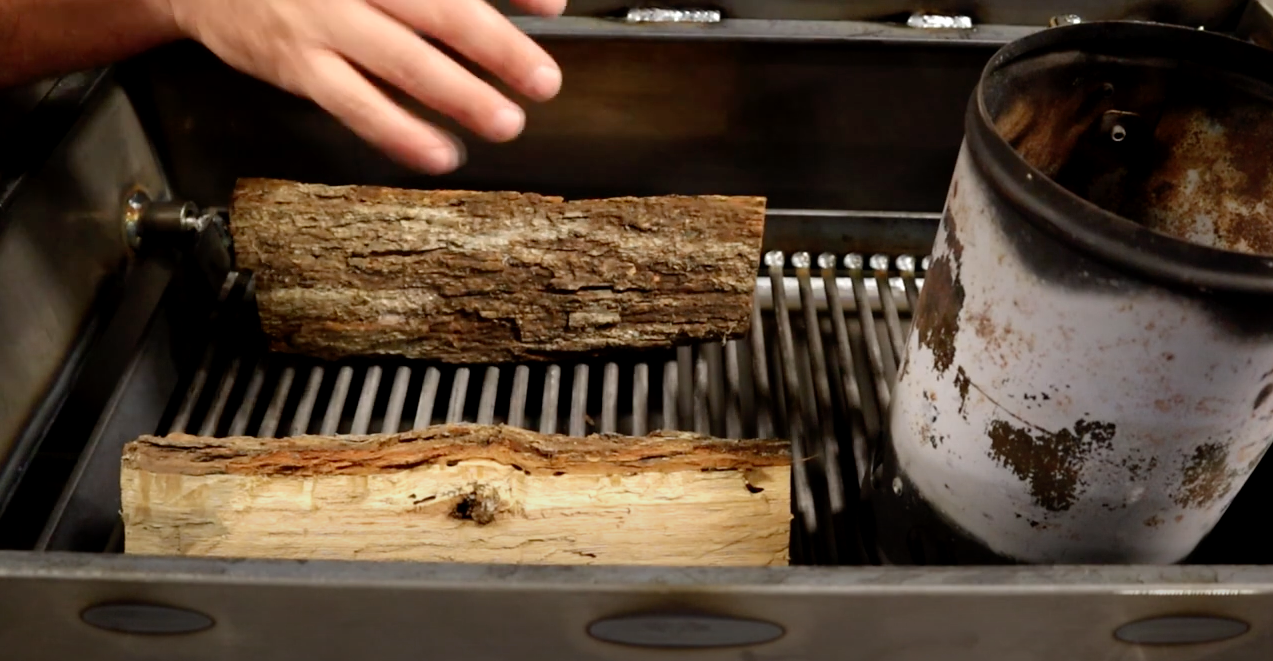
<point x="815" y="368"/>
<point x="809" y="113"/>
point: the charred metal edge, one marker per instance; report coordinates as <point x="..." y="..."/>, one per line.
<point x="1111" y="238"/>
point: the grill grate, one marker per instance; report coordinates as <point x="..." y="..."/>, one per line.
<point x="726" y="389"/>
<point x="815" y="367"/>
<point x="824" y="345"/>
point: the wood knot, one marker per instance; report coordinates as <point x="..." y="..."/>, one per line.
<point x="478" y="505"/>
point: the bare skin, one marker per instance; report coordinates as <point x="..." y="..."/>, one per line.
<point x="314" y="48"/>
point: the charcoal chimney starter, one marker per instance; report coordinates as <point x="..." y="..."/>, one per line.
<point x="1089" y="376"/>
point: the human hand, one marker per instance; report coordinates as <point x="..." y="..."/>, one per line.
<point x="311" y="48"/>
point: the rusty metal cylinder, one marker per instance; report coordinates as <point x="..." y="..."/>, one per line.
<point x="1089" y="374"/>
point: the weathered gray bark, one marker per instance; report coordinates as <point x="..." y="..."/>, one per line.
<point x="468" y="277"/>
<point x="462" y="493"/>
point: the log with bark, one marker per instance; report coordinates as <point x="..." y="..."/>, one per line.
<point x="467" y="277"/>
<point x="462" y="493"/>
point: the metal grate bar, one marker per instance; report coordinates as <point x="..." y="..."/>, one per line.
<point x="209" y="426"/>
<point x="906" y="266"/>
<point x="579" y="401"/>
<point x="517" y="402"/>
<point x="821" y="385"/>
<point x="702" y="412"/>
<point x="888" y="305"/>
<point x="671" y="387"/>
<point x="397" y="401"/>
<point x="861" y="431"/>
<point x="336" y="403"/>
<point x="796" y="420"/>
<point x="610" y="399"/>
<point x="274" y="413"/>
<point x="309" y="399"/>
<point x="197" y="384"/>
<point x="459" y="392"/>
<point x="490" y="388"/>
<point x="428" y="398"/>
<point x="790" y="286"/>
<point x="685" y="390"/>
<point x="734" y="394"/>
<point x="713" y="374"/>
<point x="865" y="317"/>
<point x="552" y="390"/>
<point x="239" y="426"/>
<point x="760" y="368"/>
<point x="640" y="399"/>
<point x="366" y="401"/>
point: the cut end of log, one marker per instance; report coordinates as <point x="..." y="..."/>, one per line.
<point x="469" y="277"/>
<point x="462" y="493"/>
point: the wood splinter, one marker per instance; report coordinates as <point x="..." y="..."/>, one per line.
<point x="462" y="493"/>
<point x="466" y="277"/>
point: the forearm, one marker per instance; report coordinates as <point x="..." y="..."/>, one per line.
<point x="40" y="38"/>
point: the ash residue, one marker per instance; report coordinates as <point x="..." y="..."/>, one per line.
<point x="941" y="300"/>
<point x="1050" y="462"/>
<point x="1205" y="477"/>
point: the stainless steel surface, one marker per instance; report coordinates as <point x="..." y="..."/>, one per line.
<point x="1211" y="13"/>
<point x="808" y="113"/>
<point x="324" y="610"/>
<point x="61" y="247"/>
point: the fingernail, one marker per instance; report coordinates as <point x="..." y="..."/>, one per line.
<point x="507" y="123"/>
<point x="444" y="159"/>
<point x="545" y="82"/>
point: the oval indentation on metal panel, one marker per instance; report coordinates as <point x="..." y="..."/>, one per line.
<point x="684" y="631"/>
<point x="145" y="619"/>
<point x="1181" y="630"/>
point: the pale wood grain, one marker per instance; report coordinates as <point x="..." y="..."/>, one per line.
<point x="462" y="493"/>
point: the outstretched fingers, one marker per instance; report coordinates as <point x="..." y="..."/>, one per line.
<point x="339" y="89"/>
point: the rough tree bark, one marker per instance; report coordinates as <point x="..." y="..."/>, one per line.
<point x="462" y="493"/>
<point x="468" y="277"/>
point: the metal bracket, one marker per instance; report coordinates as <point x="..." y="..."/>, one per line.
<point x="147" y="220"/>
